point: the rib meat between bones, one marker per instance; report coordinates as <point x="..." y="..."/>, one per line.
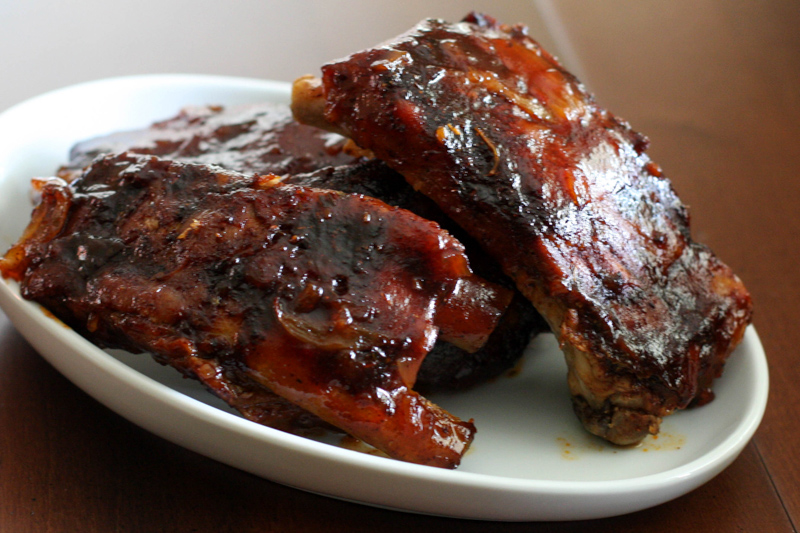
<point x="478" y="117"/>
<point x="447" y="366"/>
<point x="264" y="138"/>
<point x="260" y="138"/>
<point x="329" y="300"/>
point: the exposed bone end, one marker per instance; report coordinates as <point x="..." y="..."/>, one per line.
<point x="613" y="409"/>
<point x="616" y="424"/>
<point x="47" y="220"/>
<point x="608" y="404"/>
<point x="308" y="104"/>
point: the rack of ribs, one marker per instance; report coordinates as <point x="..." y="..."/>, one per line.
<point x="447" y="366"/>
<point x="482" y="120"/>
<point x="272" y="295"/>
<point x="261" y="138"/>
<point x="265" y="139"/>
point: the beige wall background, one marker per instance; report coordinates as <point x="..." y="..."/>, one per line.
<point x="48" y="44"/>
<point x="688" y="73"/>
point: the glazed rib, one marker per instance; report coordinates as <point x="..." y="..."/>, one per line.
<point x="260" y="138"/>
<point x="478" y="117"/>
<point x="447" y="366"/>
<point x="264" y="138"/>
<point x="330" y="301"/>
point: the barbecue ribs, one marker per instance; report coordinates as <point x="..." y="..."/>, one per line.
<point x="478" y="117"/>
<point x="446" y="367"/>
<point x="254" y="287"/>
<point x="264" y="138"/>
<point x="260" y="138"/>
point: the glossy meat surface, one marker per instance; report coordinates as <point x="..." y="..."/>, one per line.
<point x="328" y="300"/>
<point x="261" y="138"/>
<point x="264" y="138"/>
<point x="447" y="366"/>
<point x="481" y="119"/>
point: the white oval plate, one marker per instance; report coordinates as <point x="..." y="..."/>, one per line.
<point x="530" y="460"/>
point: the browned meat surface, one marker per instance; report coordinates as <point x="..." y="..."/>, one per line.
<point x="261" y="138"/>
<point x="264" y="138"/>
<point x="446" y="367"/>
<point x="482" y="120"/>
<point x="328" y="300"/>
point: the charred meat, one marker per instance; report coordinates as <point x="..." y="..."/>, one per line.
<point x="479" y="118"/>
<point x="260" y="138"/>
<point x="256" y="288"/>
<point x="447" y="366"/>
<point x="264" y="138"/>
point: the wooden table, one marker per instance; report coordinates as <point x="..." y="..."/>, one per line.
<point x="716" y="86"/>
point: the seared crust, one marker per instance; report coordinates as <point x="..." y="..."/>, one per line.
<point x="264" y="138"/>
<point x="481" y="119"/>
<point x="329" y="301"/>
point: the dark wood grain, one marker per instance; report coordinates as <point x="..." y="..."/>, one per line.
<point x="716" y="86"/>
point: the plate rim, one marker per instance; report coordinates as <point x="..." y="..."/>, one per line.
<point x="671" y="483"/>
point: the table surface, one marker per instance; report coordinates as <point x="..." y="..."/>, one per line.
<point x="716" y="86"/>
